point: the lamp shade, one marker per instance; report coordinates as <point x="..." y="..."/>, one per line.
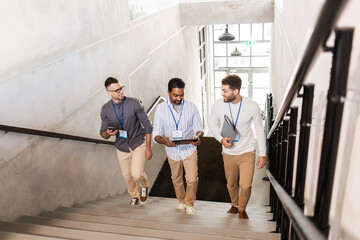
<point x="236" y="52"/>
<point x="226" y="36"/>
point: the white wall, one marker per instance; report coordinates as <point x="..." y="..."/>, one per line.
<point x="55" y="58"/>
<point x="292" y="26"/>
<point x="226" y="12"/>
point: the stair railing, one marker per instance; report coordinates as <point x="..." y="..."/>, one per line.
<point x="287" y="206"/>
<point x="29" y="131"/>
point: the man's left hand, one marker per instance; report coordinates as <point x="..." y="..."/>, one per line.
<point x="261" y="161"/>
<point x="148" y="154"/>
<point x="197" y="143"/>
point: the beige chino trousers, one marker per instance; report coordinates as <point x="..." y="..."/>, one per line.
<point x="191" y="176"/>
<point x="132" y="167"/>
<point x="239" y="165"/>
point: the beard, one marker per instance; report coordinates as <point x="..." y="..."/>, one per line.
<point x="229" y="99"/>
<point x="177" y="102"/>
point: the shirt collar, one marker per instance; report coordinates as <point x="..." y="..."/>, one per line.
<point x="119" y="102"/>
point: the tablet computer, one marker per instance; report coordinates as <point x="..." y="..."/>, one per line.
<point x="184" y="141"/>
<point x="227" y="129"/>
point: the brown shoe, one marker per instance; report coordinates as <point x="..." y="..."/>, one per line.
<point x="233" y="209"/>
<point x="134" y="201"/>
<point x="243" y="215"/>
<point x="143" y="194"/>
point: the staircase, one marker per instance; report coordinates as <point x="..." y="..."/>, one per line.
<point x="114" y="218"/>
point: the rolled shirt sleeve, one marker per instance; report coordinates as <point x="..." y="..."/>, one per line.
<point x="158" y="126"/>
<point x="143" y="117"/>
<point x="260" y="133"/>
<point x="104" y="120"/>
<point x="213" y="123"/>
<point x="197" y="125"/>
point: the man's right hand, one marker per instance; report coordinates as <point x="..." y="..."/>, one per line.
<point x="112" y="132"/>
<point x="225" y="143"/>
<point x="169" y="143"/>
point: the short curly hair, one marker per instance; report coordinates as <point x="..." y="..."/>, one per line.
<point x="234" y="81"/>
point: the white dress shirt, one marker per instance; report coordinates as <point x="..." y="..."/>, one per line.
<point x="189" y="123"/>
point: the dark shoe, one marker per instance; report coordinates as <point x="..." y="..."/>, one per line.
<point x="143" y="194"/>
<point x="233" y="209"/>
<point x="134" y="201"/>
<point x="243" y="215"/>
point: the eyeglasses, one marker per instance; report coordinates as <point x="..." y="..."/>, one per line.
<point x="118" y="90"/>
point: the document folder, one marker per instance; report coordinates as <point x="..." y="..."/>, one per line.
<point x="227" y="129"/>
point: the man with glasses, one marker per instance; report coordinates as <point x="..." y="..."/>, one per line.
<point x="125" y="118"/>
<point x="239" y="152"/>
<point x="179" y="119"/>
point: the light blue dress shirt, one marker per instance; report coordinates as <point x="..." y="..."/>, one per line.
<point x="189" y="124"/>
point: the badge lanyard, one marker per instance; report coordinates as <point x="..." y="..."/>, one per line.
<point x="177" y="123"/>
<point x="122" y="113"/>
<point x="237" y="114"/>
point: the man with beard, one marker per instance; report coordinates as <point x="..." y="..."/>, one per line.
<point x="125" y="118"/>
<point x="179" y="119"/>
<point x="238" y="153"/>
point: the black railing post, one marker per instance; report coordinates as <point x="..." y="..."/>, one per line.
<point x="271" y="169"/>
<point x="284" y="148"/>
<point x="271" y="111"/>
<point x="334" y="112"/>
<point x="305" y="122"/>
<point x="291" y="150"/>
<point x="278" y="176"/>
<point x="290" y="160"/>
<point x="278" y="156"/>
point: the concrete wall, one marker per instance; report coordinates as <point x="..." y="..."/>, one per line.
<point x="55" y="58"/>
<point x="226" y="12"/>
<point x="293" y="22"/>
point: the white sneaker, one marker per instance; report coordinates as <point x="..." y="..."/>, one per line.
<point x="181" y="206"/>
<point x="134" y="201"/>
<point x="189" y="210"/>
<point x="143" y="195"/>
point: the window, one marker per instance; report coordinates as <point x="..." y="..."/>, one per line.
<point x="202" y="58"/>
<point x="253" y="41"/>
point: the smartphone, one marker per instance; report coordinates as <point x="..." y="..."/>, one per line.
<point x="111" y="129"/>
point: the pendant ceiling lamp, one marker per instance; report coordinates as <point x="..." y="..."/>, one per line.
<point x="226" y="36"/>
<point x="236" y="52"/>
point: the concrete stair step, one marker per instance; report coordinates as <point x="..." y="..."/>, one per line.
<point x="115" y="218"/>
<point x="215" y="229"/>
<point x="20" y="236"/>
<point x="166" y="211"/>
<point x="135" y="231"/>
<point x="173" y="201"/>
<point x="199" y="207"/>
<point x="49" y="231"/>
<point x="230" y="221"/>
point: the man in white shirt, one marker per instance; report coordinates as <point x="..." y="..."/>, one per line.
<point x="238" y="153"/>
<point x="177" y="119"/>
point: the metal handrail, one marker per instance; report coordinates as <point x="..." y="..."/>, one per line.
<point x="303" y="225"/>
<point x="325" y="23"/>
<point x="8" y="128"/>
<point x="156" y="102"/>
<point x="36" y="132"/>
